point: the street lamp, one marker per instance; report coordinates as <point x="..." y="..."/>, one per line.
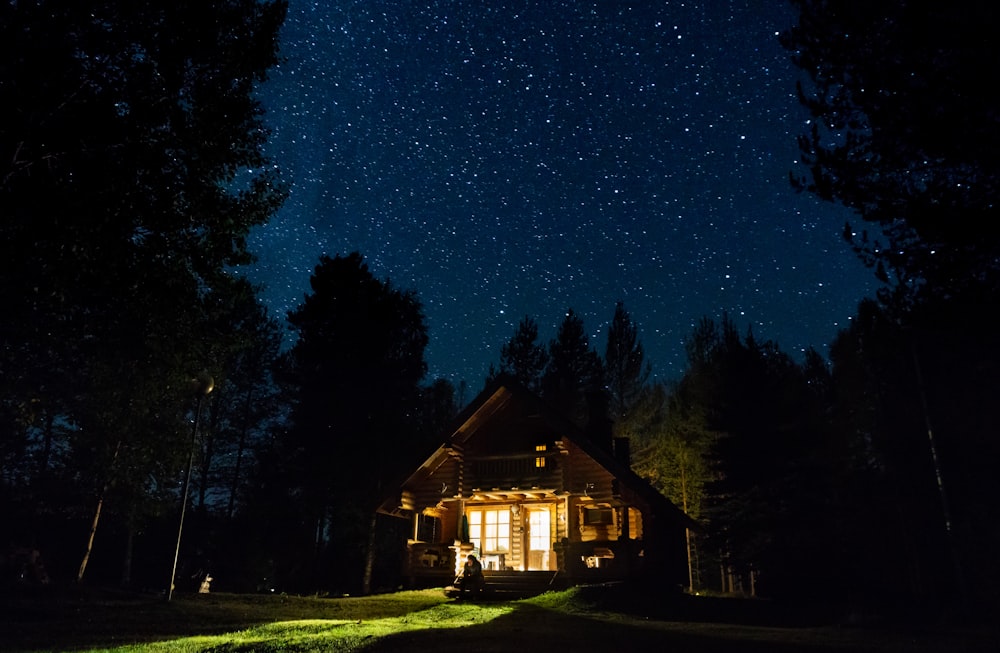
<point x="202" y="386"/>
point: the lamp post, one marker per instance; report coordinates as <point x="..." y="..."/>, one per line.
<point x="202" y="386"/>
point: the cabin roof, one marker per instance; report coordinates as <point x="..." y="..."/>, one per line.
<point x="504" y="397"/>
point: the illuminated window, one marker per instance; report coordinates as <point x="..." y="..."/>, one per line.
<point x="540" y="460"/>
<point x="489" y="530"/>
<point x="540" y="531"/>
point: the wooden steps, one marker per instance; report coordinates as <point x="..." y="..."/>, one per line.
<point x="511" y="585"/>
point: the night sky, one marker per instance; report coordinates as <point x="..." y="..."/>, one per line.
<point x="505" y="159"/>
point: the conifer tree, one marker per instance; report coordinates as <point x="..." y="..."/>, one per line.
<point x="574" y="378"/>
<point x="522" y="357"/>
<point x="625" y="365"/>
<point x="354" y="381"/>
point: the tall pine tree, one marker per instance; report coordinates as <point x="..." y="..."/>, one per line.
<point x="522" y="357"/>
<point x="355" y="374"/>
<point x="625" y="366"/>
<point x="574" y="378"/>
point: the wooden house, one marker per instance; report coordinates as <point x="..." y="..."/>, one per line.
<point x="525" y="490"/>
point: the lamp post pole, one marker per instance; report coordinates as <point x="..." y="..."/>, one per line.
<point x="203" y="386"/>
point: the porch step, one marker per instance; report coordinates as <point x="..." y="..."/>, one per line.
<point x="510" y="585"/>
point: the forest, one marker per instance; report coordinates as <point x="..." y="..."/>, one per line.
<point x="143" y="384"/>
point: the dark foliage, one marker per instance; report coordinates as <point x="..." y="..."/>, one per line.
<point x="130" y="174"/>
<point x="769" y="508"/>
<point x="522" y="357"/>
<point x="573" y="381"/>
<point x="906" y="131"/>
<point x="626" y="369"/>
<point x="356" y="407"/>
<point x="915" y="403"/>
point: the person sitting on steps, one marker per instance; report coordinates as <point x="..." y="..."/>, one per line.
<point x="472" y="575"/>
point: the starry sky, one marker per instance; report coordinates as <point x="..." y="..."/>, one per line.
<point x="506" y="158"/>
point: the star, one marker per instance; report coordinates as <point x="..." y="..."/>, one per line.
<point x="504" y="160"/>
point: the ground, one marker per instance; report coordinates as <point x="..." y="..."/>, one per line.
<point x="596" y="619"/>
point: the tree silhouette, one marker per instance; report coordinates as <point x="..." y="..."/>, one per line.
<point x="522" y="357"/>
<point x="905" y="132"/>
<point x="573" y="380"/>
<point x="746" y="426"/>
<point x="355" y="373"/>
<point x="131" y="172"/>
<point x="625" y="365"/>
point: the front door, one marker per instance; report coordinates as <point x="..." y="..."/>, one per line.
<point x="539" y="539"/>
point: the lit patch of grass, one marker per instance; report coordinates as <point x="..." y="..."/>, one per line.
<point x="570" y="601"/>
<point x="305" y="635"/>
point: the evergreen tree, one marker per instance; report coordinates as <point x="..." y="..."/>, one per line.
<point x="905" y="133"/>
<point x="574" y="378"/>
<point x="749" y="409"/>
<point x="522" y="357"/>
<point x="913" y="406"/>
<point x="625" y="365"/>
<point x="438" y="408"/>
<point x="354" y="374"/>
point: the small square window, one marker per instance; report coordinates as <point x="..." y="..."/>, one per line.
<point x="596" y="516"/>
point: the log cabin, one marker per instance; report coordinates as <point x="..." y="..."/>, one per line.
<point x="526" y="491"/>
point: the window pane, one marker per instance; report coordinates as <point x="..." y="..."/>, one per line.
<point x="489" y="530"/>
<point x="598" y="516"/>
<point x="539" y="525"/>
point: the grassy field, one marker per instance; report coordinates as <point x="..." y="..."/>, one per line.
<point x="580" y="620"/>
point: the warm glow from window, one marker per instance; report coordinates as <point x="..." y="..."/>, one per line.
<point x="489" y="530"/>
<point x="540" y="460"/>
<point x="539" y="529"/>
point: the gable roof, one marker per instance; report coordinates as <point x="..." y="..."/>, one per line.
<point x="505" y="395"/>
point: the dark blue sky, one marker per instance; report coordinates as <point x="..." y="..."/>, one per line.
<point x="505" y="159"/>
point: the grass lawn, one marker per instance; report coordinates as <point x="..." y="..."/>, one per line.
<point x="581" y="620"/>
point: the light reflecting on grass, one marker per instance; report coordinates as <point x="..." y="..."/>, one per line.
<point x="322" y="634"/>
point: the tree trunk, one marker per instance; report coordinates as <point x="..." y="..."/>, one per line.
<point x="366" y="582"/>
<point x="239" y="454"/>
<point x="97" y="517"/>
<point x="687" y="531"/>
<point x="90" y="539"/>
<point x="957" y="570"/>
